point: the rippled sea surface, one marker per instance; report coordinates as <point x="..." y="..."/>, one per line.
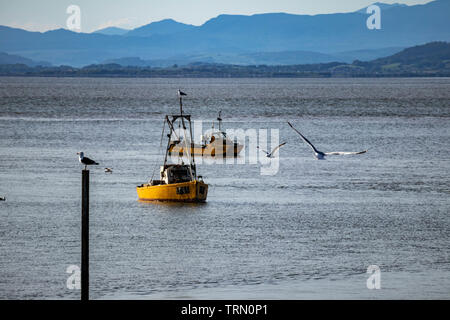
<point x="309" y="231"/>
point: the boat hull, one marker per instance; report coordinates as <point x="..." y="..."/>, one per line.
<point x="192" y="191"/>
<point x="211" y="150"/>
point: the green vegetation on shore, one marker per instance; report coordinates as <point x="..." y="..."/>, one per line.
<point x="432" y="59"/>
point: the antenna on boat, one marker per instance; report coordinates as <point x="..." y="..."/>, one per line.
<point x="180" y="95"/>
<point x="220" y="121"/>
<point x="188" y="149"/>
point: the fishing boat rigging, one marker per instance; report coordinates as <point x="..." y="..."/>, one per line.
<point x="178" y="182"/>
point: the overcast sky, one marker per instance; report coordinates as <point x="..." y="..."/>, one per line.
<point x="45" y="15"/>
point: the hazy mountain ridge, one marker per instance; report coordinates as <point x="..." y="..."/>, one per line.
<point x="256" y="58"/>
<point x="270" y="38"/>
<point x="112" y="31"/>
<point x="15" y="59"/>
<point x="383" y="6"/>
<point x="163" y="27"/>
<point x="432" y="59"/>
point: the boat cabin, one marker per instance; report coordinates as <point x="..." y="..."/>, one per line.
<point x="217" y="137"/>
<point x="176" y="173"/>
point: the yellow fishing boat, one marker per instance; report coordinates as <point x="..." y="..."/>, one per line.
<point x="177" y="182"/>
<point x="215" y="144"/>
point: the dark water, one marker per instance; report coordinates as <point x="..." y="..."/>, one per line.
<point x="309" y="231"/>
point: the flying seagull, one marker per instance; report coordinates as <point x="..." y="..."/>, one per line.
<point x="86" y="161"/>
<point x="108" y="170"/>
<point x="181" y="93"/>
<point x="319" y="154"/>
<point x="270" y="154"/>
<point x="2" y="198"/>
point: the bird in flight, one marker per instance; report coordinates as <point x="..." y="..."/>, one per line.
<point x="2" y="198"/>
<point x="84" y="160"/>
<point x="270" y="154"/>
<point x="108" y="170"/>
<point x="319" y="154"/>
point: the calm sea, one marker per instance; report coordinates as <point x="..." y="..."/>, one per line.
<point x="309" y="231"/>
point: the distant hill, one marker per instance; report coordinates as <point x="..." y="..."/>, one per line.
<point x="163" y="27"/>
<point x="430" y="54"/>
<point x="384" y="6"/>
<point x="15" y="59"/>
<point x="271" y="38"/>
<point x="257" y="58"/>
<point x="130" y="61"/>
<point x="112" y="31"/>
<point x="432" y="59"/>
<point x="270" y="58"/>
<point x="365" y="55"/>
<point x="429" y="58"/>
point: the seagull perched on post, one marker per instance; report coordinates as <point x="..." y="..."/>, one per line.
<point x="270" y="154"/>
<point x="181" y="93"/>
<point x="86" y="161"/>
<point x="319" y="154"/>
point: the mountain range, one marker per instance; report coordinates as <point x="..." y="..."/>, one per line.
<point x="15" y="59"/>
<point x="272" y="39"/>
<point x="431" y="59"/>
<point x="112" y="31"/>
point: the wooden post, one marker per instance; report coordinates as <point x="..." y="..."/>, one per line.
<point x="85" y="235"/>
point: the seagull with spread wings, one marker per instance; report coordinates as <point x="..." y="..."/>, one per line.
<point x="319" y="154"/>
<point x="270" y="154"/>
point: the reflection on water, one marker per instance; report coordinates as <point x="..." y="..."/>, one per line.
<point x="315" y="225"/>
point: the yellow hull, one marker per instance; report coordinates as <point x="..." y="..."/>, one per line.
<point x="209" y="150"/>
<point x="192" y="191"/>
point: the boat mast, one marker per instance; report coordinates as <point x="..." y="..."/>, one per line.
<point x="220" y="121"/>
<point x="189" y="152"/>
<point x="169" y="136"/>
<point x="193" y="166"/>
<point x="180" y="95"/>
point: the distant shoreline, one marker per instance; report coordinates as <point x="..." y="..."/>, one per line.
<point x="429" y="60"/>
<point x="212" y="77"/>
<point x="208" y="76"/>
